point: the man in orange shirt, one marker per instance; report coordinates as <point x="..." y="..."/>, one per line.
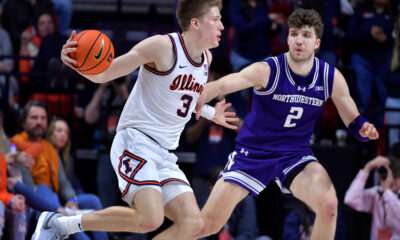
<point x="47" y="169"/>
<point x="31" y="140"/>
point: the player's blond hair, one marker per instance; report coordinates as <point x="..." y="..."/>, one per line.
<point x="189" y="9"/>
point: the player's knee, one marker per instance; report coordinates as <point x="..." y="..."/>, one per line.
<point x="211" y="226"/>
<point x="328" y="205"/>
<point x="151" y="223"/>
<point x="193" y="224"/>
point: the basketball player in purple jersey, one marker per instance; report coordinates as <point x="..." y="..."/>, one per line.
<point x="274" y="143"/>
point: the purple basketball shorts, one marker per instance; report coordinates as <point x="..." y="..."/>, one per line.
<point x="253" y="169"/>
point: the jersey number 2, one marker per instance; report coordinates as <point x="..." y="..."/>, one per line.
<point x="296" y="113"/>
<point x="187" y="100"/>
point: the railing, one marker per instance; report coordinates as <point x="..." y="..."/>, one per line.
<point x="42" y="87"/>
<point x="124" y="6"/>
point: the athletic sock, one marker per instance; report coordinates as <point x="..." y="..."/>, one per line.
<point x="72" y="224"/>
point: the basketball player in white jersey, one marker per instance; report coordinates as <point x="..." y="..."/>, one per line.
<point x="173" y="72"/>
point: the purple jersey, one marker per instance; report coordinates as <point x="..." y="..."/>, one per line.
<point x="283" y="115"/>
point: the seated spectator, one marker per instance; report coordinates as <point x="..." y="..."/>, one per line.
<point x="19" y="164"/>
<point x="59" y="136"/>
<point x="31" y="40"/>
<point x="12" y="207"/>
<point x="19" y="15"/>
<point x="382" y="201"/>
<point x="299" y="224"/>
<point x="7" y="65"/>
<point x="49" y="169"/>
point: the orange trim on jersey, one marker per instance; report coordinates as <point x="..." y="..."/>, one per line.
<point x="187" y="54"/>
<point x="134" y="172"/>
<point x="150" y="69"/>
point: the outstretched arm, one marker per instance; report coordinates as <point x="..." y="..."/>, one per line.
<point x="149" y="51"/>
<point x="357" y="125"/>
<point x="255" y="75"/>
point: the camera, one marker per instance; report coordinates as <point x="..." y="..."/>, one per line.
<point x="382" y="172"/>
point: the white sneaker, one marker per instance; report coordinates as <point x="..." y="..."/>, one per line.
<point x="48" y="228"/>
<point x="74" y="212"/>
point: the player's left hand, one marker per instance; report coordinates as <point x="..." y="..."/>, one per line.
<point x="368" y="130"/>
<point x="223" y="117"/>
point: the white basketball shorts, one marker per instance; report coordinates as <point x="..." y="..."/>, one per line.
<point x="140" y="162"/>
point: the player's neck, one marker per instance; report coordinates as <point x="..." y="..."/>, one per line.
<point x="194" y="49"/>
<point x="300" y="67"/>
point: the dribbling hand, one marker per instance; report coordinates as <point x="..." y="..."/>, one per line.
<point x="69" y="47"/>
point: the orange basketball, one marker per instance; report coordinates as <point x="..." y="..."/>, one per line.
<point x="94" y="52"/>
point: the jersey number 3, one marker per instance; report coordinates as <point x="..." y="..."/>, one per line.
<point x="295" y="113"/>
<point x="187" y="100"/>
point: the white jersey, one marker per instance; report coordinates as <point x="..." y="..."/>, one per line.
<point x="161" y="103"/>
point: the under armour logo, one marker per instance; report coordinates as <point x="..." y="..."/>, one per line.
<point x="301" y="89"/>
<point x="242" y="151"/>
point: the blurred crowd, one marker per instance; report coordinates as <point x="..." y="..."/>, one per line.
<point x="56" y="128"/>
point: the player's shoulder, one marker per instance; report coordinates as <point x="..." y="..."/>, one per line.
<point x="159" y="41"/>
<point x="261" y="67"/>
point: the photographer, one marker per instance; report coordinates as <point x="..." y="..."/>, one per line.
<point x="383" y="201"/>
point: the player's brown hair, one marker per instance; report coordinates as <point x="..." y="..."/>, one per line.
<point x="189" y="9"/>
<point x="304" y="17"/>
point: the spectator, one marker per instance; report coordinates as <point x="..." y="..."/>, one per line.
<point x="12" y="207"/>
<point x="19" y="15"/>
<point x="253" y="27"/>
<point x="49" y="169"/>
<point x="392" y="80"/>
<point x="18" y="166"/>
<point x="58" y="136"/>
<point x="64" y="11"/>
<point x="22" y="161"/>
<point x="381" y="201"/>
<point x="7" y="65"/>
<point x="370" y="33"/>
<point x="31" y="40"/>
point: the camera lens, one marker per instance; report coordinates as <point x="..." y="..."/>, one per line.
<point x="382" y="171"/>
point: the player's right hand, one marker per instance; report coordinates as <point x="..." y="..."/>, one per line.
<point x="69" y="47"/>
